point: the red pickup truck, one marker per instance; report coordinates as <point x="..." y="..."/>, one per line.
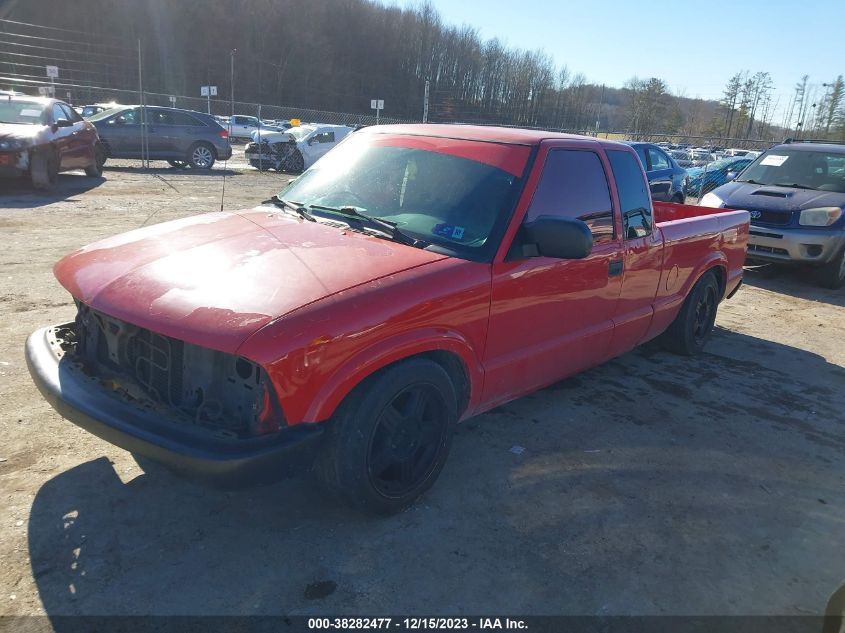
<point x="412" y="278"/>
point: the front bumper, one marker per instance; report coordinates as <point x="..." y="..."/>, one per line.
<point x="793" y="245"/>
<point x="14" y="164"/>
<point x="85" y="401"/>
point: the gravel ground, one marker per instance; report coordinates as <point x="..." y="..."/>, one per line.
<point x="651" y="485"/>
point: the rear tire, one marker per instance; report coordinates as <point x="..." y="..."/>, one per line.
<point x="201" y="156"/>
<point x="389" y="439"/>
<point x="832" y="274"/>
<point x="44" y="169"/>
<point x="693" y="326"/>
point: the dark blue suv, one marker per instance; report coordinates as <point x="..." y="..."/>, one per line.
<point x="795" y="193"/>
<point x="666" y="178"/>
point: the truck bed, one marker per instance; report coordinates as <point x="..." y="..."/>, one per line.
<point x="670" y="211"/>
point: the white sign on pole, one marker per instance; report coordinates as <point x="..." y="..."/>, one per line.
<point x="172" y="99"/>
<point x="53" y="72"/>
<point x="213" y="91"/>
<point x="208" y="91"/>
<point x="377" y="104"/>
<point x="204" y="91"/>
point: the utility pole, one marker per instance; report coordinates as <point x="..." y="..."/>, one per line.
<point x="234" y="50"/>
<point x="425" y="103"/>
<point x="598" y="116"/>
<point x="143" y="111"/>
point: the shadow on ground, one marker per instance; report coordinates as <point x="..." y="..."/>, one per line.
<point x="796" y="281"/>
<point x="18" y="193"/>
<point x="651" y="485"/>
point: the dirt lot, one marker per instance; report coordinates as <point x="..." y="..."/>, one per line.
<point x="652" y="485"/>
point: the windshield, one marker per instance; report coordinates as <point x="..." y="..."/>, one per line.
<point x="455" y="204"/>
<point x="99" y="116"/>
<point x="809" y="169"/>
<point x="23" y="112"/>
<point x="300" y="132"/>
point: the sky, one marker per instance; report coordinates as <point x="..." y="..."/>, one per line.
<point x="694" y="47"/>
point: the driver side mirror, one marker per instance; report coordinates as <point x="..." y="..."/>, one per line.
<point x="312" y="140"/>
<point x="62" y="123"/>
<point x="731" y="175"/>
<point x="561" y="238"/>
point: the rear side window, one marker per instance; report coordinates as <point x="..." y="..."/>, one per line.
<point x="634" y="200"/>
<point x="180" y="118"/>
<point x="658" y="159"/>
<point x="573" y="185"/>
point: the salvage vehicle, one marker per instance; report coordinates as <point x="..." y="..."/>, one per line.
<point x="184" y="138"/>
<point x="795" y="192"/>
<point x="41" y="137"/>
<point x="295" y="149"/>
<point x="417" y="275"/>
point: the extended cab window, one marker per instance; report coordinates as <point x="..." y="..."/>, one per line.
<point x="574" y="185"/>
<point x="634" y="200"/>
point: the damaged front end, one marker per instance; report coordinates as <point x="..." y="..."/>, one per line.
<point x="206" y="389"/>
<point x="271" y="155"/>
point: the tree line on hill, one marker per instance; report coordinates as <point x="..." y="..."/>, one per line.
<point x="337" y="55"/>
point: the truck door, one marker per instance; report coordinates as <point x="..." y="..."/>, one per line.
<point x="551" y="318"/>
<point x="642" y="253"/>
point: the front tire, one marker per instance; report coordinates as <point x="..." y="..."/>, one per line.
<point x="96" y="170"/>
<point x="390" y="438"/>
<point x="201" y="156"/>
<point x="693" y="326"/>
<point x="832" y="274"/>
<point x="295" y="163"/>
<point x="44" y="169"/>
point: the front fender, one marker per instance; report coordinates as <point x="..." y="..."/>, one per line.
<point x="388" y="351"/>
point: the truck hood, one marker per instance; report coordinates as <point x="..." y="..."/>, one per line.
<point x="745" y="195"/>
<point x="215" y="279"/>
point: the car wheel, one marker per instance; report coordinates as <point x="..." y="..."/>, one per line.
<point x="178" y="164"/>
<point x="44" y="169"/>
<point x="96" y="170"/>
<point x="691" y="329"/>
<point x="390" y="438"/>
<point x="201" y="156"/>
<point x="832" y="274"/>
<point x="295" y="162"/>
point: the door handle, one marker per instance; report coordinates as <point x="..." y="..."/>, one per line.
<point x="615" y="268"/>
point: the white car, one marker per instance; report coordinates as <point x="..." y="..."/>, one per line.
<point x="295" y="149"/>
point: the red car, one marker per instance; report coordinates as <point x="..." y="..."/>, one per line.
<point x="41" y="137"/>
<point x="413" y="277"/>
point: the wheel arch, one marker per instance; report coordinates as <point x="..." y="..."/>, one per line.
<point x="452" y="353"/>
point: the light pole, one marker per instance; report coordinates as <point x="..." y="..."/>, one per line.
<point x="232" y="79"/>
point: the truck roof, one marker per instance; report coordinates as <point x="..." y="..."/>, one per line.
<point x="492" y="134"/>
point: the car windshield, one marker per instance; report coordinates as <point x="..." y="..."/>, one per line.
<point x="300" y="132"/>
<point x="453" y="204"/>
<point x="104" y="114"/>
<point x="807" y="169"/>
<point x="23" y="112"/>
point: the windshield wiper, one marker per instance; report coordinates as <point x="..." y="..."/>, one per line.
<point x="385" y="226"/>
<point x="289" y="205"/>
<point x="794" y="185"/>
